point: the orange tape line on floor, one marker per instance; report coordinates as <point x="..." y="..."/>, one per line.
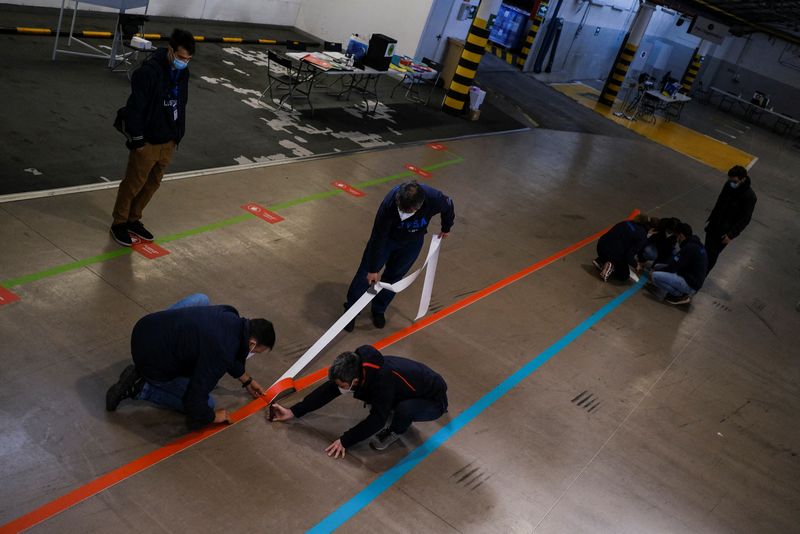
<point x="286" y="385"/>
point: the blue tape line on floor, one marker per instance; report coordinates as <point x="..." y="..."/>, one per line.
<point x="385" y="481"/>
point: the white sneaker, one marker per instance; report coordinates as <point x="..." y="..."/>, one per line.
<point x="606" y="271"/>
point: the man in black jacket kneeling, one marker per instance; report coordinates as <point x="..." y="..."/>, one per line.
<point x="181" y="353"/>
<point x="405" y="389"/>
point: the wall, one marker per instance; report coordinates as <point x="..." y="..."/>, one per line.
<point x="747" y="64"/>
<point x="443" y="21"/>
<point x="585" y="53"/>
<point x="276" y="12"/>
<point x="336" y="20"/>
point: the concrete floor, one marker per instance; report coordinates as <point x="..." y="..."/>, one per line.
<point x="696" y="430"/>
<point x="60" y="134"/>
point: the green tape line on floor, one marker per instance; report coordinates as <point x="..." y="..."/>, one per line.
<point x="54" y="271"/>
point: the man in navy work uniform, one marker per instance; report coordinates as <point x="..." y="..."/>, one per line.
<point x="676" y="281"/>
<point x="398" y="234"/>
<point x="154" y="121"/>
<point x="181" y="353"/>
<point x="731" y="213"/>
<point x="407" y="390"/>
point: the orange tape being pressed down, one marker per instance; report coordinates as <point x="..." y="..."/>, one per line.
<point x="281" y="387"/>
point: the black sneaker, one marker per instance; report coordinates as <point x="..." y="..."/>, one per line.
<point x="138" y="229"/>
<point x="128" y="386"/>
<point x="677" y="300"/>
<point x="349" y="327"/>
<point x="120" y="234"/>
<point x="379" y="320"/>
<point x="383" y="439"/>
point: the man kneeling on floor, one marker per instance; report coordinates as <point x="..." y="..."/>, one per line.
<point x="407" y="390"/>
<point x="676" y="281"/>
<point x="181" y="353"/>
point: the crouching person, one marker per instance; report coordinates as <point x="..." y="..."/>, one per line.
<point x="181" y="353"/>
<point x="618" y="248"/>
<point x="676" y="281"/>
<point x="404" y="389"/>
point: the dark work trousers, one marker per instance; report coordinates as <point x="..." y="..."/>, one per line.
<point x="713" y="248"/>
<point x="411" y="410"/>
<point x="398" y="257"/>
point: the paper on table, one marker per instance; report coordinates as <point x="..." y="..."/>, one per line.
<point x="430" y="264"/>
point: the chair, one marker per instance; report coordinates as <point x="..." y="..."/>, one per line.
<point x="128" y="26"/>
<point x="283" y="75"/>
<point x="413" y="80"/>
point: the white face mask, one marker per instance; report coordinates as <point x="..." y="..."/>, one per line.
<point x="404" y="215"/>
<point x="733" y="184"/>
<point x="250" y="355"/>
<point x="347" y="391"/>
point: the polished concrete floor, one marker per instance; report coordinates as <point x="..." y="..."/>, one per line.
<point x="696" y="429"/>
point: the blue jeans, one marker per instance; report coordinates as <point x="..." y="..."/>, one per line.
<point x="398" y="257"/>
<point x="671" y="284"/>
<point x="412" y="410"/>
<point x="170" y="393"/>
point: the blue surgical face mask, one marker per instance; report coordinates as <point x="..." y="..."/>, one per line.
<point x="733" y="184"/>
<point x="179" y="64"/>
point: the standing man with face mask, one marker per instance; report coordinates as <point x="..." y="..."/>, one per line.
<point x="731" y="213"/>
<point x="404" y="389"/>
<point x="181" y="353"/>
<point x="396" y="241"/>
<point x="154" y="121"/>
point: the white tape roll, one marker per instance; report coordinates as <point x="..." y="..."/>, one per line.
<point x="429" y="267"/>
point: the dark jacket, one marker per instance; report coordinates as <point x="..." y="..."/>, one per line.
<point x="385" y="382"/>
<point x="201" y="343"/>
<point x="690" y="263"/>
<point x="389" y="226"/>
<point x="149" y="115"/>
<point x="664" y="244"/>
<point x="733" y="210"/>
<point x="622" y="243"/>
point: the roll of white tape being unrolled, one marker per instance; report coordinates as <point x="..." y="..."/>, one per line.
<point x="431" y="261"/>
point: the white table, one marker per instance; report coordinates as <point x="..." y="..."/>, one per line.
<point x="754" y="112"/>
<point x="670" y="106"/>
<point x="114" y="57"/>
<point x="363" y="80"/>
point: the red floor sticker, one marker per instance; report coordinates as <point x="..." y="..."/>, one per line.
<point x="417" y="170"/>
<point x="347" y="188"/>
<point x="437" y="146"/>
<point x="262" y="213"/>
<point x="7" y="297"/>
<point x="147" y="249"/>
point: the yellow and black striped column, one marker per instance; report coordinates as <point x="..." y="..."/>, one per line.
<point x="536" y="23"/>
<point x="618" y="72"/>
<point x="502" y="53"/>
<point x="457" y="95"/>
<point x="691" y="71"/>
<point x="626" y="54"/>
